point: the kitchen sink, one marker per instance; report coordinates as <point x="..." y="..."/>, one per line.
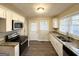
<point x="63" y="39"/>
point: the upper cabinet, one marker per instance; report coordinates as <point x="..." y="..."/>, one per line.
<point x="2" y="12"/>
<point x="18" y="18"/>
<point x="9" y="20"/>
<point x="55" y="23"/>
<point x="15" y="16"/>
<point x="6" y="17"/>
<point x="22" y="20"/>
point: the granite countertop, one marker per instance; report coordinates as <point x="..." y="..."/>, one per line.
<point x="13" y="44"/>
<point x="73" y="45"/>
<point x="2" y="39"/>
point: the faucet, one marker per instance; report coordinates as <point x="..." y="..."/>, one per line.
<point x="67" y="36"/>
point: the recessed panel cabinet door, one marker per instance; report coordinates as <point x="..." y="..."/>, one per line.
<point x="15" y="16"/>
<point x="57" y="45"/>
<point x="22" y="20"/>
<point x="55" y="23"/>
<point x="2" y="12"/>
<point x="8" y="20"/>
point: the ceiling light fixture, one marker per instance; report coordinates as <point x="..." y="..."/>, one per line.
<point x="40" y="10"/>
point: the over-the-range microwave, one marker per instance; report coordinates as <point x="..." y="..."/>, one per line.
<point x="16" y="25"/>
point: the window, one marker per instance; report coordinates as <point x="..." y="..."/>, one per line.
<point x="74" y="29"/>
<point x="43" y="25"/>
<point x="70" y="24"/>
<point x="34" y="27"/>
<point x="63" y="25"/>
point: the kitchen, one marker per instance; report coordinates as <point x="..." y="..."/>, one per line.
<point x="51" y="29"/>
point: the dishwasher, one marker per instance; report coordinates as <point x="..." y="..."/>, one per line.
<point x="68" y="52"/>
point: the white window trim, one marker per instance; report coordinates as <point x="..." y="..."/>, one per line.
<point x="59" y="26"/>
<point x="70" y="15"/>
<point x="47" y="26"/>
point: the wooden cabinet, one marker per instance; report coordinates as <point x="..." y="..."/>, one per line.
<point x="9" y="49"/>
<point x="10" y="15"/>
<point x="8" y="20"/>
<point x="3" y="25"/>
<point x="58" y="46"/>
<point x="55" y="23"/>
<point x="2" y="13"/>
<point x="2" y="20"/>
<point x="21" y="19"/>
<point x="15" y="16"/>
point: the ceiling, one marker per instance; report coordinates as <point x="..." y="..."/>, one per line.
<point x="51" y="9"/>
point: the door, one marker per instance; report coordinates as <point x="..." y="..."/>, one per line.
<point x="44" y="29"/>
<point x="33" y="31"/>
<point x="38" y="29"/>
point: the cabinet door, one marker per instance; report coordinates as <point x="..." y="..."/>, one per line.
<point x="55" y="23"/>
<point x="17" y="50"/>
<point x="52" y="40"/>
<point x="15" y="16"/>
<point x="22" y="19"/>
<point x="2" y="12"/>
<point x="8" y="20"/>
<point x="57" y="45"/>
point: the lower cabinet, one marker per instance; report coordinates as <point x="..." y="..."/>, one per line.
<point x="16" y="50"/>
<point x="58" y="46"/>
<point x="9" y="49"/>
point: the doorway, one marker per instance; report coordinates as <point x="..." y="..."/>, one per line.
<point x="38" y="29"/>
